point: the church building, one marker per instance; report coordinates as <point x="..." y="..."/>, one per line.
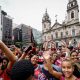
<point x="69" y="30"/>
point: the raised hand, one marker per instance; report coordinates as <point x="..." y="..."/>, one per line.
<point x="47" y="57"/>
<point x="46" y="54"/>
<point x="64" y="47"/>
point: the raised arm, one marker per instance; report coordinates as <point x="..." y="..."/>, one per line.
<point x="26" y="52"/>
<point x="7" y="52"/>
<point x="22" y="56"/>
<point x="52" y="71"/>
<point x="47" y="58"/>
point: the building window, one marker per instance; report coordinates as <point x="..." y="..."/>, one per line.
<point x="66" y="33"/>
<point x="71" y="4"/>
<point x="72" y="14"/>
<point x="52" y="36"/>
<point x="5" y="36"/>
<point x="73" y="32"/>
<point x="61" y="34"/>
<point x="56" y="34"/>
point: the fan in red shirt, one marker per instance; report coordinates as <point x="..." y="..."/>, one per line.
<point x="4" y="71"/>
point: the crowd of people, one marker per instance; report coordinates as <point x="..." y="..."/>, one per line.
<point x="61" y="63"/>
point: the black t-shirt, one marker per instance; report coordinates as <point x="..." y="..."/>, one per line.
<point x="50" y="76"/>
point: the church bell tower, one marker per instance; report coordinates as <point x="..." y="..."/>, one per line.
<point x="72" y="12"/>
<point x="46" y="22"/>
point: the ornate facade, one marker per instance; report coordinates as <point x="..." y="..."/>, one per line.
<point x="69" y="30"/>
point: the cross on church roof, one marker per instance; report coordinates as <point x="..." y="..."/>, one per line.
<point x="46" y="10"/>
<point x="56" y="17"/>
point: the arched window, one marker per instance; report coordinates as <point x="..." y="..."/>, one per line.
<point x="73" y="32"/>
<point x="61" y="34"/>
<point x="72" y="14"/>
<point x="56" y="34"/>
<point x="71" y="4"/>
<point x="66" y="33"/>
<point x="52" y="36"/>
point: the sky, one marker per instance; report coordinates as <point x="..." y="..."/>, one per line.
<point x="30" y="12"/>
